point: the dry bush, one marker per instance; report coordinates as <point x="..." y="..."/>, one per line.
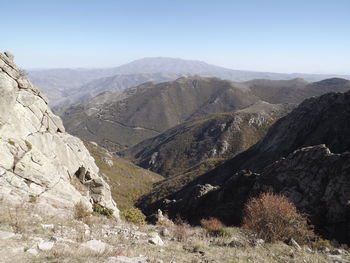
<point x="215" y="227"/>
<point x="274" y="218"/>
<point x="181" y="230"/>
<point x="81" y="211"/>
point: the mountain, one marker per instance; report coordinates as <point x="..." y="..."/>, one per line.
<point x="119" y="119"/>
<point x="65" y="86"/>
<point x="222" y="135"/>
<point x="118" y="82"/>
<point x="295" y="90"/>
<point x="128" y="181"/>
<point x="304" y="155"/>
<point x="39" y="161"/>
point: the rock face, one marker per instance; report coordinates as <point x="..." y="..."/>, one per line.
<point x="291" y="159"/>
<point x="314" y="179"/>
<point x="221" y="135"/>
<point x="39" y="161"/>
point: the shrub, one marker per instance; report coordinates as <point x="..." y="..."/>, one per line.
<point x="215" y="227"/>
<point x="33" y="199"/>
<point x="134" y="215"/>
<point x="101" y="210"/>
<point x="181" y="232"/>
<point x="273" y="218"/>
<point x="81" y="211"/>
<point x="321" y="243"/>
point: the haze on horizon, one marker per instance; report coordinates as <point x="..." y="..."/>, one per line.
<point x="270" y="36"/>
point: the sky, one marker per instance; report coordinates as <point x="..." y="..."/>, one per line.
<point x="262" y="35"/>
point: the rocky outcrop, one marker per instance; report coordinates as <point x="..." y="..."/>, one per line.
<point x="39" y="161"/>
<point x="216" y="136"/>
<point x="314" y="179"/>
<point x="286" y="160"/>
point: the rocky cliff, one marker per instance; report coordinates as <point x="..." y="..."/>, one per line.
<point x="39" y="161"/>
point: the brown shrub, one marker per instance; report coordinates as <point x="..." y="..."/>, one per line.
<point x="274" y="218"/>
<point x="81" y="211"/>
<point x="181" y="230"/>
<point x="215" y="227"/>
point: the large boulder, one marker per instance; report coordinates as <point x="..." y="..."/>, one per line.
<point x="37" y="157"/>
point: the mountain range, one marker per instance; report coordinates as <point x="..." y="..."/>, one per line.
<point x="67" y="86"/>
<point x="120" y="119"/>
<point x="304" y="156"/>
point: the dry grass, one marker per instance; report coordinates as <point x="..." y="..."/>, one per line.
<point x="183" y="244"/>
<point x="128" y="182"/>
<point x="81" y="211"/>
<point x="274" y="218"/>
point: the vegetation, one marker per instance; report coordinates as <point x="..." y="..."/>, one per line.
<point x="33" y="199"/>
<point x="128" y="182"/>
<point x="134" y="215"/>
<point x="81" y="211"/>
<point x="101" y="210"/>
<point x="215" y="227"/>
<point x="274" y="218"/>
<point x="29" y="145"/>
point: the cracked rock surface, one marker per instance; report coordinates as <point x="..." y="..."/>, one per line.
<point x="38" y="159"/>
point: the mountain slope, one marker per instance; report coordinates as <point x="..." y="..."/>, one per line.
<point x="120" y="119"/>
<point x="295" y="90"/>
<point x="65" y="86"/>
<point x="128" y="182"/>
<point x="216" y="136"/>
<point x="315" y="179"/>
<point x="38" y="159"/>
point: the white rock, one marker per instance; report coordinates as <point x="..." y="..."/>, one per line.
<point x="47" y="158"/>
<point x="155" y="239"/>
<point x="47" y="226"/>
<point x="32" y="251"/>
<point x="295" y="244"/>
<point x="2" y="171"/>
<point x="46" y="245"/>
<point x="122" y="259"/>
<point x="8" y="235"/>
<point x="95" y="245"/>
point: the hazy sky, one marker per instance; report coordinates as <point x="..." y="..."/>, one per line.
<point x="265" y="35"/>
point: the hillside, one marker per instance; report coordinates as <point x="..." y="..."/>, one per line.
<point x="315" y="178"/>
<point x="128" y="182"/>
<point x="117" y="120"/>
<point x="67" y="86"/>
<point x="120" y="119"/>
<point x="222" y="136"/>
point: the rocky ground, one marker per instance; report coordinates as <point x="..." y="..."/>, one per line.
<point x="27" y="236"/>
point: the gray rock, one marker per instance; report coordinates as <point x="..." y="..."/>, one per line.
<point x="46" y="245"/>
<point x="155" y="239"/>
<point x="37" y="157"/>
<point x="8" y="235"/>
<point x="33" y="251"/>
<point x="236" y="243"/>
<point x="294" y="244"/>
<point x="122" y="259"/>
<point x="95" y="245"/>
<point x="258" y="242"/>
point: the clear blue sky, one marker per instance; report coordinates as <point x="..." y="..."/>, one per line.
<point x="265" y="35"/>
